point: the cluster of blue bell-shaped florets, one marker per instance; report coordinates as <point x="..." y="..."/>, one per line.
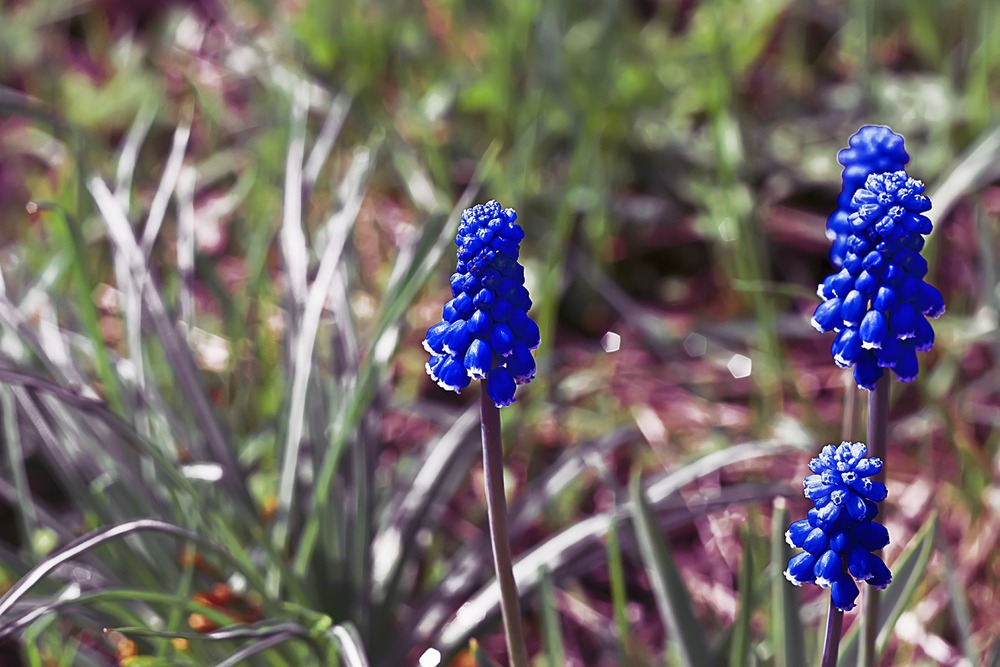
<point x="485" y="331"/>
<point x="873" y="149"/>
<point x="840" y="534"/>
<point x="879" y="302"/>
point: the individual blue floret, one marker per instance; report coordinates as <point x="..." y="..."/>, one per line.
<point x="871" y="150"/>
<point x="839" y="534"/>
<point x="878" y="303"/>
<point x="485" y="332"/>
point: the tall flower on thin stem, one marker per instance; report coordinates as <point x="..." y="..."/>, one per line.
<point x="840" y="533"/>
<point x="486" y="334"/>
<point x="879" y="301"/>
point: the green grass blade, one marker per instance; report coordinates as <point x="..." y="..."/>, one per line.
<point x="81" y="546"/>
<point x="231" y="633"/>
<point x="619" y="600"/>
<point x="26" y="514"/>
<point x="73" y="237"/>
<point x="259" y="646"/>
<point x="787" y="625"/>
<point x="907" y="574"/>
<point x="126" y="595"/>
<point x="959" y="602"/>
<point x="555" y="652"/>
<point x="739" y="651"/>
<point x="672" y="596"/>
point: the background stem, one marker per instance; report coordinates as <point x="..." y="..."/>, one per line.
<point x="496" y="508"/>
<point x="878" y="427"/>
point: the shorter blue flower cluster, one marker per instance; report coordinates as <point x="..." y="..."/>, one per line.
<point x="873" y="149"/>
<point x="839" y="534"/>
<point x="485" y="331"/>
<point x="879" y="302"/>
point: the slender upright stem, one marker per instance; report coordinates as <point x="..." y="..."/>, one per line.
<point x="849" y="420"/>
<point x="878" y="427"/>
<point x="848" y="433"/>
<point x="834" y="627"/>
<point x="496" y="509"/>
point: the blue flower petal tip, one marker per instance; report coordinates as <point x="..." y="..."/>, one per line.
<point x="878" y="303"/>
<point x="485" y="332"/>
<point x="839" y="534"/>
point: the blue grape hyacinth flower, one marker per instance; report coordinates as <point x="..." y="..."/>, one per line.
<point x="879" y="302"/>
<point x="485" y="332"/>
<point x="873" y="149"/>
<point x="839" y="534"/>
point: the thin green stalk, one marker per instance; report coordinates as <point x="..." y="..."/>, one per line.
<point x="834" y="628"/>
<point x="619" y="597"/>
<point x="878" y="427"/>
<point x="496" y="510"/>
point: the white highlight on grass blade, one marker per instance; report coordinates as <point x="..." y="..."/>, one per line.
<point x="294" y="250"/>
<point x="430" y="658"/>
<point x="695" y="345"/>
<point x="184" y="197"/>
<point x="203" y="472"/>
<point x="158" y="209"/>
<point x="212" y="352"/>
<point x="71" y="592"/>
<point x="727" y="230"/>
<point x="611" y="342"/>
<point x="740" y="366"/>
<point x="50" y="337"/>
<point x="350" y="646"/>
<point x="326" y="138"/>
<point x="387" y="545"/>
<point x="130" y="153"/>
<point x="650" y="425"/>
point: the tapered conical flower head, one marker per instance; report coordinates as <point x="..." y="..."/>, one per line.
<point x="879" y="302"/>
<point x="873" y="149"/>
<point x="839" y="534"/>
<point x="485" y="332"/>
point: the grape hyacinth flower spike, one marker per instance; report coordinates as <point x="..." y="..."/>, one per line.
<point x="485" y="331"/>
<point x="879" y="302"/>
<point x="485" y="334"/>
<point x="873" y="149"/>
<point x="839" y="534"/>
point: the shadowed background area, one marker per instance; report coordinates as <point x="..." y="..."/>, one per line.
<point x="225" y="228"/>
